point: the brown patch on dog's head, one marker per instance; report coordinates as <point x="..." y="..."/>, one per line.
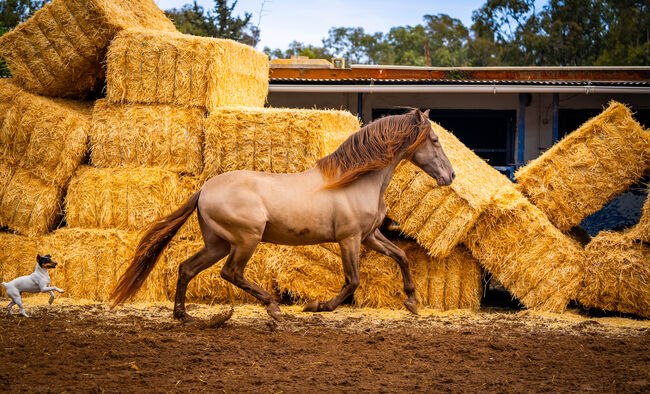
<point x="46" y="261"/>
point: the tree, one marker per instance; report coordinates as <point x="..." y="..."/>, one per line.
<point x="218" y="22"/>
<point x="448" y="39"/>
<point x="14" y="12"/>
<point x="298" y="49"/>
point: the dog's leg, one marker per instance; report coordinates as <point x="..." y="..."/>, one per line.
<point x="9" y="307"/>
<point x="19" y="302"/>
<point x="50" y="288"/>
<point x="51" y="296"/>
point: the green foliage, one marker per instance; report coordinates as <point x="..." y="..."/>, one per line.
<point x="218" y="22"/>
<point x="507" y="32"/>
<point x="13" y="12"/>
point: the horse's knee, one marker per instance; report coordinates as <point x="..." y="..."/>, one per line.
<point x="353" y="284"/>
<point x="228" y="275"/>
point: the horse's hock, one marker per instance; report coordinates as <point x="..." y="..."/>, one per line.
<point x="81" y="185"/>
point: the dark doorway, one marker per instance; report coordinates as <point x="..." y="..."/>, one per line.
<point x="489" y="133"/>
<point x="570" y="119"/>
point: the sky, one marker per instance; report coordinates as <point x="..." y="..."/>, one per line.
<point x="308" y="21"/>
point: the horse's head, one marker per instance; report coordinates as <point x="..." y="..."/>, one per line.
<point x="429" y="156"/>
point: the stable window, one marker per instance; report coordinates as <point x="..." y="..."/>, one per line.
<point x="489" y="133"/>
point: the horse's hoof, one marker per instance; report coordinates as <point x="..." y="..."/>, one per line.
<point x="412" y="306"/>
<point x="311" y="307"/>
<point x="274" y="311"/>
<point x="184" y="318"/>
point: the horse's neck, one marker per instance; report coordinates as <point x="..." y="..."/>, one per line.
<point x="381" y="178"/>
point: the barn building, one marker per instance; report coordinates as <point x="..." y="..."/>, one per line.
<point x="507" y="115"/>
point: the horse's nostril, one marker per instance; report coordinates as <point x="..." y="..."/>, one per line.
<point x="453" y="175"/>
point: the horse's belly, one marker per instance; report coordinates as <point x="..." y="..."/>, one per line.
<point x="295" y="234"/>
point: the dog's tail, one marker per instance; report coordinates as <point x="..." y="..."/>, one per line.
<point x="149" y="249"/>
<point x="4" y="284"/>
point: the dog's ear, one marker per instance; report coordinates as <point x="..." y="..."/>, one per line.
<point x="38" y="257"/>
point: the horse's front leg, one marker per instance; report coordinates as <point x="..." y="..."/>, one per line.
<point x="350" y="256"/>
<point x="377" y="242"/>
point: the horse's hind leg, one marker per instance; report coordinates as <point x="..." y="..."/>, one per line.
<point x="206" y="257"/>
<point x="233" y="272"/>
<point x="350" y="257"/>
<point x="377" y="242"/>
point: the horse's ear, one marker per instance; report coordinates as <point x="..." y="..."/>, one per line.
<point x="426" y="114"/>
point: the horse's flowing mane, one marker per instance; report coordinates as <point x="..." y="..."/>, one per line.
<point x="373" y="147"/>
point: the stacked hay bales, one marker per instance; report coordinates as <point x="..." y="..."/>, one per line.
<point x="136" y="135"/>
<point x="439" y="217"/>
<point x="66" y="41"/>
<point x="148" y="66"/>
<point x="43" y="140"/>
<point x="280" y="140"/>
<point x="123" y="198"/>
<point x="617" y="274"/>
<point x="315" y="272"/>
<point x="590" y="166"/>
<point x="17" y="257"/>
<point x="534" y="260"/>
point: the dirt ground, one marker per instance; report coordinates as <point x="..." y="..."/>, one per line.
<point x="84" y="347"/>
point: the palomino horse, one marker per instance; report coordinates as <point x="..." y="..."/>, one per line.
<point x="340" y="200"/>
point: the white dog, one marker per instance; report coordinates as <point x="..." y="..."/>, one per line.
<point x="37" y="282"/>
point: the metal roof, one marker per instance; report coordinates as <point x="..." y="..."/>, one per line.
<point x="400" y="75"/>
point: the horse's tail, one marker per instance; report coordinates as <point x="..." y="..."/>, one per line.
<point x="149" y="249"/>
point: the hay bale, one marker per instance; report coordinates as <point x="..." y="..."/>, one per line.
<point x="280" y="140"/>
<point x="208" y="287"/>
<point x="439" y="217"/>
<point x="123" y="198"/>
<point x="519" y="246"/>
<point x="28" y="205"/>
<point x="17" y="254"/>
<point x="66" y="41"/>
<point x="617" y="274"/>
<point x="315" y="273"/>
<point x="139" y="135"/>
<point x="590" y="166"/>
<point x="93" y="260"/>
<point x="146" y="66"/>
<point x="7" y="92"/>
<point x="45" y="136"/>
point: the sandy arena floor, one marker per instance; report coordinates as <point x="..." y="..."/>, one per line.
<point x="75" y="346"/>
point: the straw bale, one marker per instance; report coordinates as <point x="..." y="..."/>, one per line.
<point x="145" y="66"/>
<point x="315" y="273"/>
<point x="17" y="254"/>
<point x="7" y="92"/>
<point x="438" y="217"/>
<point x="93" y="260"/>
<point x="209" y="287"/>
<point x="590" y="166"/>
<point x="280" y="140"/>
<point x="45" y="136"/>
<point x="617" y="274"/>
<point x="139" y="135"/>
<point x="534" y="260"/>
<point x="123" y="198"/>
<point x="28" y="205"/>
<point x="66" y="41"/>
<point x="311" y="272"/>
<point x="381" y="283"/>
